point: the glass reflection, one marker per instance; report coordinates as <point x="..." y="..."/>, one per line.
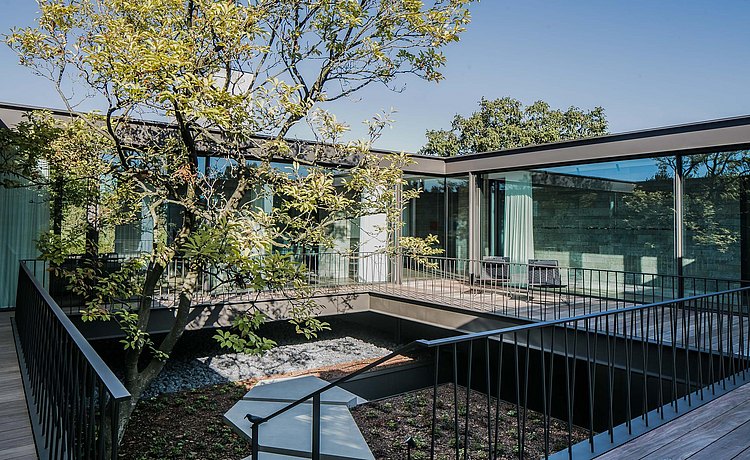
<point x="716" y="214"/>
<point x="614" y="215"/>
<point x="442" y="209"/>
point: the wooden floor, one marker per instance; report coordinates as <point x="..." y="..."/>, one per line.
<point x="16" y="438"/>
<point x="719" y="430"/>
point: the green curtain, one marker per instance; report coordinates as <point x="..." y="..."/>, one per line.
<point x="24" y="215"/>
<point x="519" y="217"/>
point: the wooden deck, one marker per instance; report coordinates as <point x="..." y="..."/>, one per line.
<point x="16" y="438"/>
<point x="718" y="430"/>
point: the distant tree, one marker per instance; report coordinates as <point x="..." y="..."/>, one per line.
<point x="505" y="123"/>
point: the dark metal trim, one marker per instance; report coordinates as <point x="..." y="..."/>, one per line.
<point x="685" y="128"/>
<point x="572" y="319"/>
<point x="108" y="378"/>
<point x="700" y="137"/>
<point x="679" y="225"/>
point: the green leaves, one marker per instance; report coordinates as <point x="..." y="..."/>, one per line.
<point x="246" y="340"/>
<point x="226" y="80"/>
<point x="505" y="123"/>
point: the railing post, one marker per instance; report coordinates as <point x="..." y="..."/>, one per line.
<point x="397" y="267"/>
<point x="316" y="427"/>
<point x="254" y="434"/>
<point x="475" y="200"/>
<point x="397" y="262"/>
<point x="256" y="444"/>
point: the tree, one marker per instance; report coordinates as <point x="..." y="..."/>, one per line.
<point x="505" y="123"/>
<point x="229" y="79"/>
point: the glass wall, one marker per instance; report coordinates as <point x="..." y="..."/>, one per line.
<point x="425" y="215"/>
<point x="457" y="219"/>
<point x="614" y="215"/>
<point x="716" y="215"/>
<point x="442" y="209"/>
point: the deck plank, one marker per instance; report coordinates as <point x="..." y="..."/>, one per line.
<point x="728" y="446"/>
<point x="704" y="435"/>
<point x="695" y="431"/>
<point x="16" y="438"/>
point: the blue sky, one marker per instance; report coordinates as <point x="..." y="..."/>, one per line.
<point x="648" y="63"/>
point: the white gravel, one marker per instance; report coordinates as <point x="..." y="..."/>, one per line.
<point x="186" y="374"/>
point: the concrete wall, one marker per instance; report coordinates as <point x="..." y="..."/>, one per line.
<point x="393" y="311"/>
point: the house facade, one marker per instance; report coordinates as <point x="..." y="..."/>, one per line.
<point x="672" y="201"/>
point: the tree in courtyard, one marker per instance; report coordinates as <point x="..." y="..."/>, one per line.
<point x="505" y="123"/>
<point x="229" y="79"/>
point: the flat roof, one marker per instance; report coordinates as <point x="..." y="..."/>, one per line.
<point x="701" y="137"/>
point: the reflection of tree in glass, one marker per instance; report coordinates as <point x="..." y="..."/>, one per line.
<point x="648" y="208"/>
<point x="712" y="193"/>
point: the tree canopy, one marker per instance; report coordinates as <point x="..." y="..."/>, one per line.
<point x="506" y="123"/>
<point x="178" y="80"/>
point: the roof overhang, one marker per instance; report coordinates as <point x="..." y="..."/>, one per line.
<point x="702" y="137"/>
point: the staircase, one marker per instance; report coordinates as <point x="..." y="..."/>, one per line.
<point x="289" y="435"/>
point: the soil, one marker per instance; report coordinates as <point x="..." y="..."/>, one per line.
<point x="189" y="424"/>
<point x="386" y="424"/>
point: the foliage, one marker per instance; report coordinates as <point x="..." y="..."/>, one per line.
<point x="176" y="80"/>
<point x="505" y="123"/>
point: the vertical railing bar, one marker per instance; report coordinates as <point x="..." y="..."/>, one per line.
<point x="316" y="427"/>
<point x="488" y="390"/>
<point x="455" y="399"/>
<point x="468" y="399"/>
<point x="436" y="372"/>
<point x="568" y="396"/>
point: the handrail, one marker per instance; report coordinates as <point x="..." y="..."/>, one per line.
<point x="75" y="400"/>
<point x="588" y="316"/>
<point x="511" y="295"/>
<point x="436" y="344"/>
<point x="362" y="255"/>
<point x="484" y="334"/>
<point x="569" y="267"/>
<point x="343" y="379"/>
<point x="113" y="384"/>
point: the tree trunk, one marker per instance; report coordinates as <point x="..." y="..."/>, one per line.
<point x="57" y="207"/>
<point x="137" y="380"/>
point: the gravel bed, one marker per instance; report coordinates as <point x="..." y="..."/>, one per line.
<point x="186" y="373"/>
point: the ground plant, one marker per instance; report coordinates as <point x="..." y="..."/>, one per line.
<point x="386" y="425"/>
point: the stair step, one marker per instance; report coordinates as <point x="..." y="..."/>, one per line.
<point x="271" y="456"/>
<point x="291" y="389"/>
<point x="291" y="432"/>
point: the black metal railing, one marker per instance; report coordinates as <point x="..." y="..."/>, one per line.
<point x="542" y="290"/>
<point x="74" y="398"/>
<point x="590" y="382"/>
<point x="315" y="397"/>
<point x="538" y="291"/>
<point x="323" y="272"/>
